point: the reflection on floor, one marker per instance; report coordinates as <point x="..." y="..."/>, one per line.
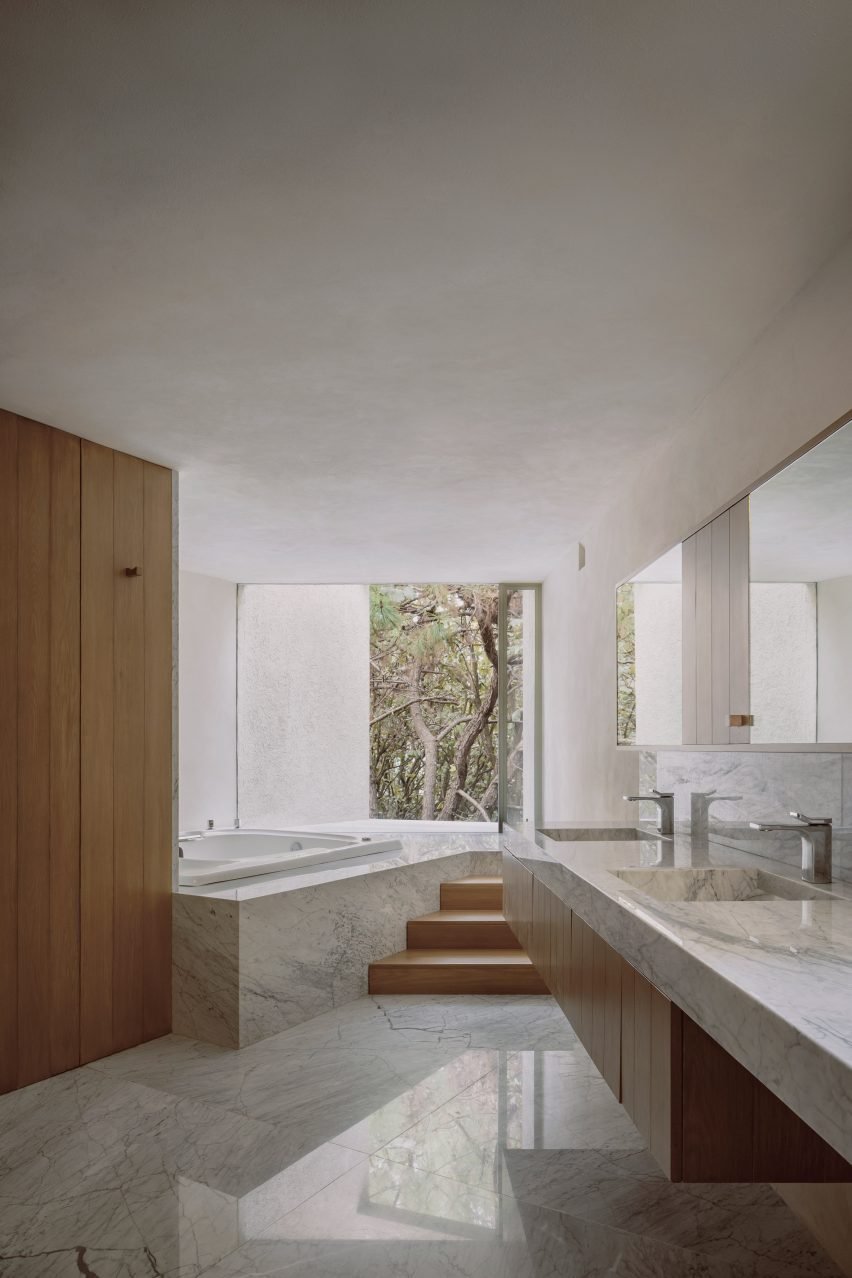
<point x="395" y="1138"/>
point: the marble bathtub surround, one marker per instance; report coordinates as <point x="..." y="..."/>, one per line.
<point x="253" y="960"/>
<point x="769" y="979"/>
<point x="468" y="1136"/>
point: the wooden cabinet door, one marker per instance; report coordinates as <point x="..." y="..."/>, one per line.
<point x="715" y="591"/>
<point x="126" y="734"/>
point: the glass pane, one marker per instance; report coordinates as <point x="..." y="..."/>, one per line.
<point x="649" y="662"/>
<point x="521" y="725"/>
<point x="801" y="598"/>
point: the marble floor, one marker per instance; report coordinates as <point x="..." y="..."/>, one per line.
<point x="401" y="1137"/>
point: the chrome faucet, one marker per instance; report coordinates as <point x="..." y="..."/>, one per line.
<point x="816" y="843"/>
<point x="664" y="800"/>
<point x="699" y="810"/>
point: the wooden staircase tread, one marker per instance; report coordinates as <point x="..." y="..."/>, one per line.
<point x="461" y="916"/>
<point x="479" y="880"/>
<point x="455" y="957"/>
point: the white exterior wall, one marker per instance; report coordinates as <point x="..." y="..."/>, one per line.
<point x="783" y="661"/>
<point x="207" y="610"/>
<point x="304" y="704"/>
<point x="794" y="382"/>
<point x="834" y="721"/>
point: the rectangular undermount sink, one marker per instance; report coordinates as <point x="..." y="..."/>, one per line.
<point x="603" y="833"/>
<point x="704" y="884"/>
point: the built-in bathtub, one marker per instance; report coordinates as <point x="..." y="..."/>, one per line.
<point x="259" y="955"/>
<point x="220" y="856"/>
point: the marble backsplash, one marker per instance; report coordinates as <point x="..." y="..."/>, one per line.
<point x="767" y="786"/>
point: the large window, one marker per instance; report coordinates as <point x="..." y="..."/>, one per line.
<point x="383" y="702"/>
<point x="433" y="695"/>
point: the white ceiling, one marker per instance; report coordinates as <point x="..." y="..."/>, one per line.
<point x="405" y="289"/>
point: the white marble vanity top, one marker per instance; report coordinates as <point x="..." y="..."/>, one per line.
<point x="769" y="979"/>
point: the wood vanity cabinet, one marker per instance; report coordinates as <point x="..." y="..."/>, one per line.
<point x="704" y="1116"/>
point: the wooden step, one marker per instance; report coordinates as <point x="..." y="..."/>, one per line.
<point x="456" y="971"/>
<point x="476" y="892"/>
<point x="461" y="930"/>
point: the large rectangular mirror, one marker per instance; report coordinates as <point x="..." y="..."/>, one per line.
<point x="648" y="636"/>
<point x="801" y="598"/>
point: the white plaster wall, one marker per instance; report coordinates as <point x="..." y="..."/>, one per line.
<point x="834" y="721"/>
<point x="657" y="612"/>
<point x="304" y="704"/>
<point x="794" y="382"/>
<point x="207" y="629"/>
<point x="783" y="661"/>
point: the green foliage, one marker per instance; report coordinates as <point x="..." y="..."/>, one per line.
<point x="428" y="662"/>
<point x="625" y="631"/>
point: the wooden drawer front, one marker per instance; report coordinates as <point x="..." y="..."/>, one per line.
<point x="704" y="1116"/>
<point x="592" y="996"/>
<point x="735" y="1129"/>
<point x="650" y="1066"/>
<point x="518" y="900"/>
<point x="546" y="922"/>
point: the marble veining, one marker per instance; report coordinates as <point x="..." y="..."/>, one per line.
<point x="249" y="963"/>
<point x="768" y="785"/>
<point x="390" y="1138"/>
<point x="769" y="979"/>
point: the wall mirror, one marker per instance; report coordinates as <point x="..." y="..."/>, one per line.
<point x="800" y="598"/>
<point x="742" y="634"/>
<point x="649" y="611"/>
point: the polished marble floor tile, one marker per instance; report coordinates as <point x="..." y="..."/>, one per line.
<point x="387" y="1221"/>
<point x="412" y="1137"/>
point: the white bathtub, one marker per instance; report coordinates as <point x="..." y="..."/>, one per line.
<point x="221" y="855"/>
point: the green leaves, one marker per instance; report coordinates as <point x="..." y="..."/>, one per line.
<point x="427" y="658"/>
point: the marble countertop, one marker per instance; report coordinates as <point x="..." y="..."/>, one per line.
<point x="770" y="980"/>
<point x="420" y="846"/>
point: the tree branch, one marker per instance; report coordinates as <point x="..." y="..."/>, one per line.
<point x="414" y="701"/>
<point x="478" y="806"/>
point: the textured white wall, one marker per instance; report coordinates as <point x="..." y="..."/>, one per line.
<point x="783" y="661"/>
<point x="834" y="721"/>
<point x="795" y="381"/>
<point x="207" y="609"/>
<point x="658" y="610"/>
<point x="304" y="704"/>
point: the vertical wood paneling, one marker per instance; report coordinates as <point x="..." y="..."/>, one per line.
<point x="703" y="636"/>
<point x="96" y="783"/>
<point x="599" y="949"/>
<point x="689" y="653"/>
<point x="85" y="751"/>
<point x="587" y="1018"/>
<point x="575" y="982"/>
<point x="33" y="752"/>
<point x="8" y="751"/>
<point x="720" y="628"/>
<point x="628" y="1054"/>
<point x="740" y="640"/>
<point x="642" y="1054"/>
<point x="718" y="1111"/>
<point x="663" y="1140"/>
<point x="128" y="751"/>
<point x="611" y="1068"/>
<point x="64" y="583"/>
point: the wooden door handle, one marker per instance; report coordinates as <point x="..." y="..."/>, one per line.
<point x="133" y="572"/>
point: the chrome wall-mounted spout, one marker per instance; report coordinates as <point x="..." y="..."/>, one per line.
<point x="699" y="810"/>
<point x="664" y="800"/>
<point x="816" y="843"/>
